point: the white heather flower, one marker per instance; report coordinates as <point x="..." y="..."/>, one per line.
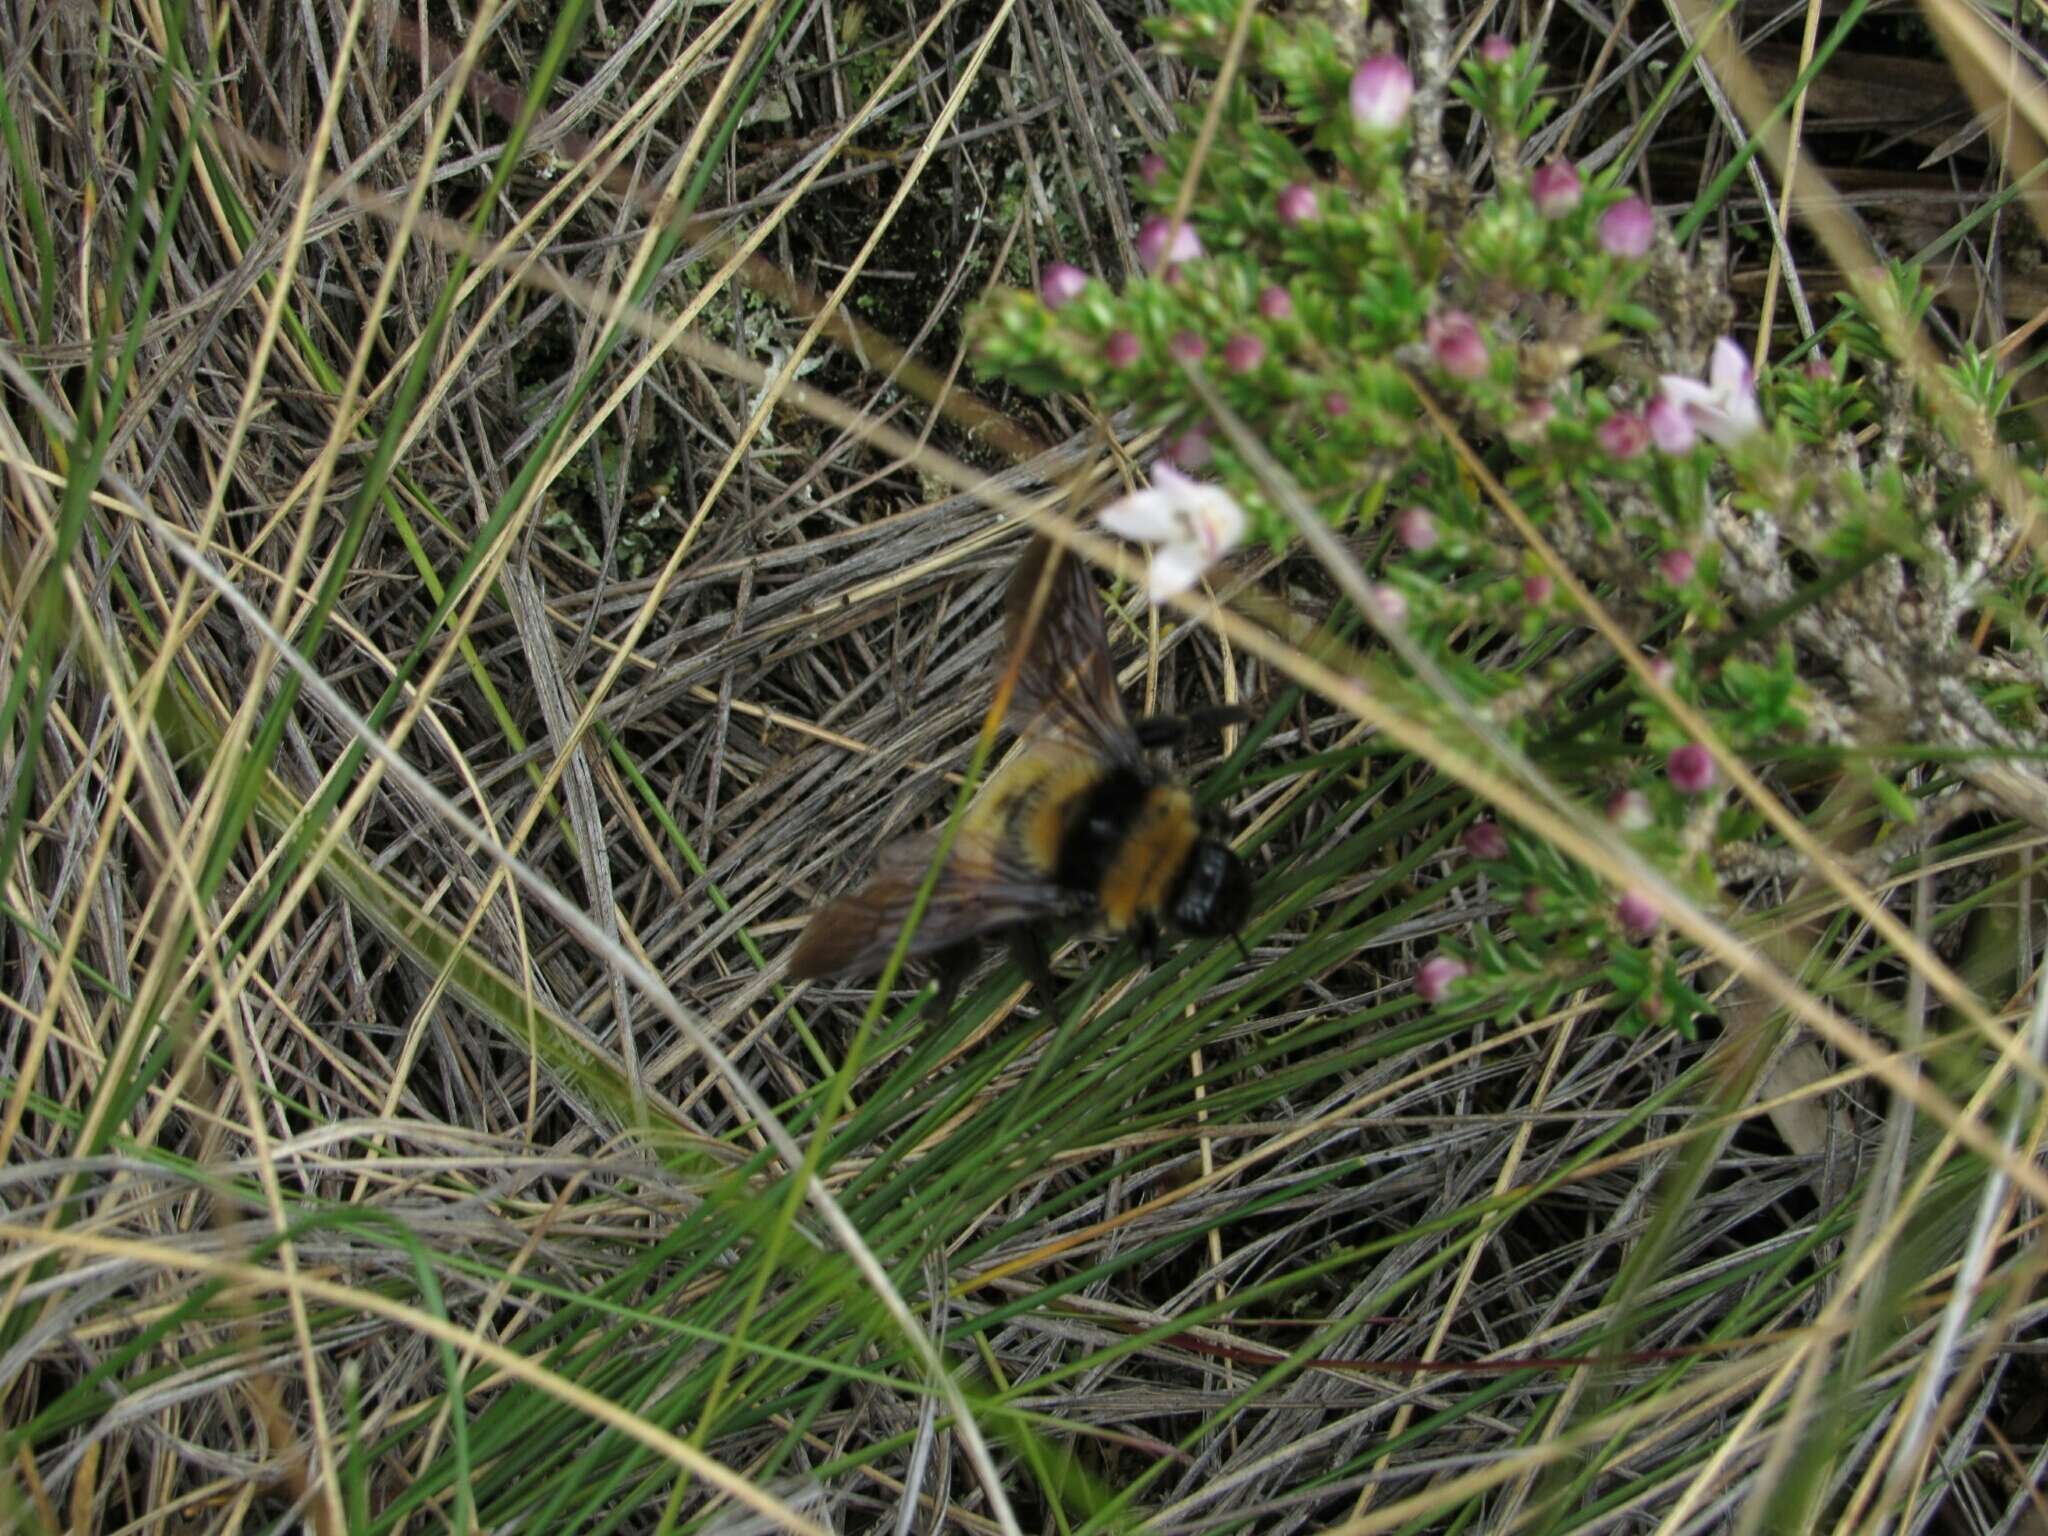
<point x="1189" y="524"/>
<point x="1670" y="428"/>
<point x="1724" y="407"/>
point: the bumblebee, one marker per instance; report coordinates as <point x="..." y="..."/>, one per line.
<point x="1078" y="824"/>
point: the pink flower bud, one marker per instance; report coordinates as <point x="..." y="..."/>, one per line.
<point x="1495" y="50"/>
<point x="1275" y="304"/>
<point x="1663" y="669"/>
<point x="1818" y="369"/>
<point x="1296" y="203"/>
<point x="1626" y="229"/>
<point x="1415" y="529"/>
<point x="1638" y="914"/>
<point x="1433" y="980"/>
<point x="1670" y="428"/>
<point x="1243" y="353"/>
<point x="1622" y="436"/>
<point x="1059" y="284"/>
<point x="1454" y="341"/>
<point x="1187" y="346"/>
<point x="1629" y="810"/>
<point x="1532" y="423"/>
<point x="1380" y="93"/>
<point x="1190" y="451"/>
<point x="1554" y="187"/>
<point x="1121" y="349"/>
<point x="1161" y="242"/>
<point x="1536" y="589"/>
<point x="1677" y="566"/>
<point x="1690" y="768"/>
<point x="1485" y="840"/>
<point x="1336" y="403"/>
<point x="1393" y="605"/>
<point x="1150" y="168"/>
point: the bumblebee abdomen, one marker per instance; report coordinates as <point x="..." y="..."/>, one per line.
<point x="1096" y="824"/>
<point x="1040" y="804"/>
<point x="1110" y="834"/>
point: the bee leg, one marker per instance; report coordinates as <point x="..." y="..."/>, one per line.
<point x="1148" y="940"/>
<point x="951" y="967"/>
<point x="1156" y="731"/>
<point x="1028" y="949"/>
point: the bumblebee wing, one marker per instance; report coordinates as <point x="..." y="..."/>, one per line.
<point x="1065" y="705"/>
<point x="1066" y="686"/>
<point x="983" y="888"/>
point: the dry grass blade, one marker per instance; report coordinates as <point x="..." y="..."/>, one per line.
<point x="164" y="1257"/>
<point x="551" y="529"/>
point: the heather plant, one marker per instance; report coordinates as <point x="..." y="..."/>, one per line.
<point x="1490" y="389"/>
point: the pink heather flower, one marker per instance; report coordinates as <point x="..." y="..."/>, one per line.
<point x="1189" y="451"/>
<point x="1433" y="981"/>
<point x="1536" y="590"/>
<point x="1150" y="168"/>
<point x="1059" y="284"/>
<point x="1485" y="840"/>
<point x="1190" y="526"/>
<point x="1393" y="605"/>
<point x="1495" y="50"/>
<point x="1622" y="435"/>
<point x="1690" y="768"/>
<point x="1554" y="186"/>
<point x="1121" y="349"/>
<point x="1663" y="669"/>
<point x="1670" y="428"/>
<point x="1626" y="228"/>
<point x="1415" y="529"/>
<point x="1677" y="566"/>
<point x="1533" y="421"/>
<point x="1336" y="403"/>
<point x="1818" y="369"/>
<point x="1243" y="353"/>
<point x="1187" y="346"/>
<point x="1380" y="93"/>
<point x="1638" y="914"/>
<point x="1275" y="304"/>
<point x="1629" y="810"/>
<point x="1724" y="407"/>
<point x="1455" y="343"/>
<point x="1296" y="203"/>
<point x="1162" y="242"/>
